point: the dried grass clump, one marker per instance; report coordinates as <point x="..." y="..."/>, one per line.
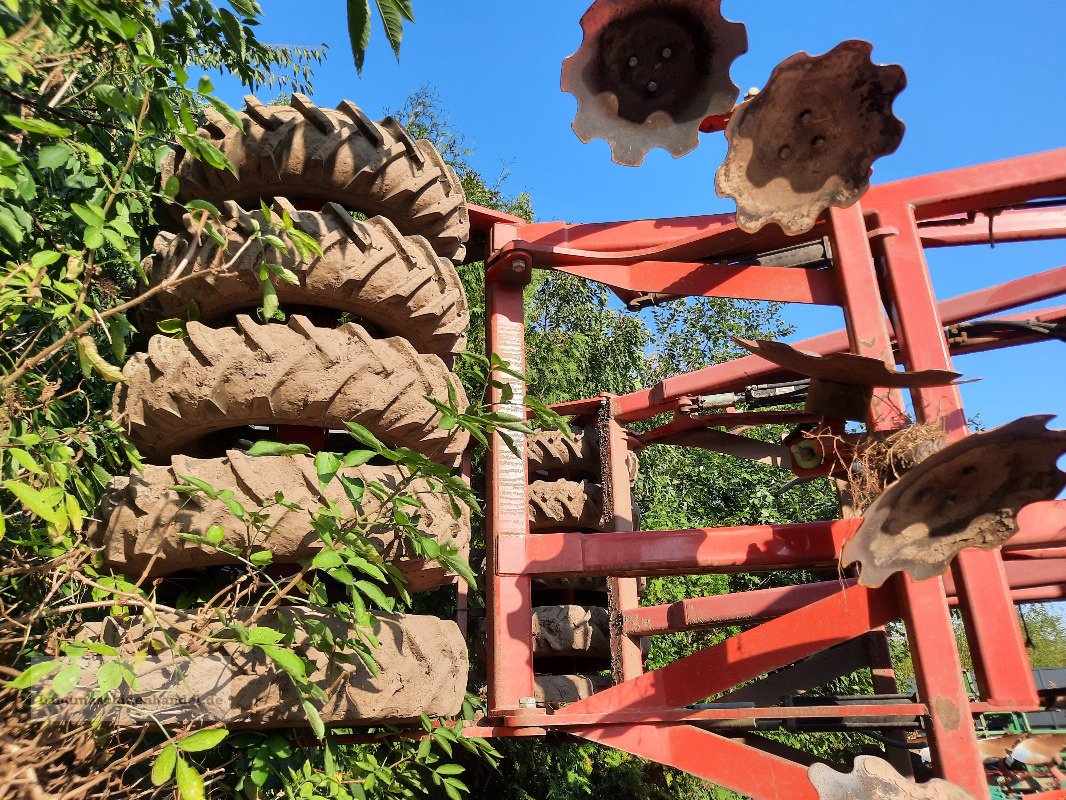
<point x="880" y="459"/>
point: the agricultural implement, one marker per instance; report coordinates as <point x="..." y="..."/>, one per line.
<point x="966" y="520"/>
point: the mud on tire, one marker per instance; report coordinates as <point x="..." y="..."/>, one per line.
<point x="141" y="516"/>
<point x="367" y="269"/>
<point x="182" y="390"/>
<point x="341" y="156"/>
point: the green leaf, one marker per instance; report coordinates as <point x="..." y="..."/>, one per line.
<point x="163" y="766"/>
<point x="109" y="676"/>
<point x="287" y="660"/>
<point x="35" y="125"/>
<point x="190" y="782"/>
<point x="215" y="534"/>
<point x="356" y="458"/>
<point x="270" y="301"/>
<point x="53" y="156"/>
<point x="172" y="187"/>
<point x="393" y="13"/>
<point x="374" y="593"/>
<point x="326" y="559"/>
<point x="25" y="460"/>
<point x="34" y="673"/>
<point x="36" y="502"/>
<point x="203" y="740"/>
<point x="326" y="465"/>
<point x="87" y="353"/>
<point x="265" y="448"/>
<point x="450" y="769"/>
<point x="359" y="30"/>
<point x="261" y="558"/>
<point x="263" y="635"/>
<point x="315" y="719"/>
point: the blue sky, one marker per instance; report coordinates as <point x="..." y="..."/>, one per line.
<point x="985" y="83"/>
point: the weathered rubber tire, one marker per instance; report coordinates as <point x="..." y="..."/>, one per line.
<point x="296" y="374"/>
<point x="422" y="660"/>
<point x="339" y="156"/>
<point x="553" y="454"/>
<point x="570" y="505"/>
<point x="141" y="517"/>
<point x="556" y="689"/>
<point x="367" y="269"/>
<point x="571" y="631"/>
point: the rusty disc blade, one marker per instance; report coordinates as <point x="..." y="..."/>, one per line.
<point x="875" y="779"/>
<point x="807" y="141"/>
<point x="996" y="748"/>
<point x="846" y="368"/>
<point x="648" y="72"/>
<point x="966" y="495"/>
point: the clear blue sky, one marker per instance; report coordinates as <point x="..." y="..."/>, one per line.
<point x="986" y="81"/>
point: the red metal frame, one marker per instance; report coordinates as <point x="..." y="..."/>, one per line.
<point x="879" y="277"/>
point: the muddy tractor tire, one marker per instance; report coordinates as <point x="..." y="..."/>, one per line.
<point x="368" y="270"/>
<point x="307" y="153"/>
<point x="565" y="505"/>
<point x="553" y="454"/>
<point x="183" y="390"/>
<point x="422" y="663"/>
<point x="571" y="630"/>
<point x="142" y="517"/>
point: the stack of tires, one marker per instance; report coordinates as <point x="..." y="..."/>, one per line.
<point x="375" y="323"/>
<point x="571" y="622"/>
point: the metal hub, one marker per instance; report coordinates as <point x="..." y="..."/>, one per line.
<point x="648" y="72"/>
<point x="808" y="140"/>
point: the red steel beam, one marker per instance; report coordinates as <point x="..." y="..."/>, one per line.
<point x="750" y="548"/>
<point x="1013" y="225"/>
<point x="775" y="284"/>
<point x="850" y="612"/>
<point x="510" y="640"/>
<point x="923" y="606"/>
<point x="745" y="608"/>
<point x="740" y="372"/>
<point x="993" y="185"/>
<point x="744" y="769"/>
<point x="1001" y="662"/>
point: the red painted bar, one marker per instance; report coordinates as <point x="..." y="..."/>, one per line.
<point x="1015" y="225"/>
<point x="776" y="284"/>
<point x="849" y="613"/>
<point x="564" y="717"/>
<point x="995" y="638"/>
<point x="752" y="369"/>
<point x="510" y="641"/>
<point x="924" y="608"/>
<point x="745" y="608"/>
<point x="751" y="548"/>
<point x="725" y="762"/>
<point x="977" y="188"/>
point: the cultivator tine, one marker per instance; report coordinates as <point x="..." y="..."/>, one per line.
<point x="807" y="141"/>
<point x="966" y="495"/>
<point x="875" y="779"/>
<point x="842" y="384"/>
<point x="648" y="73"/>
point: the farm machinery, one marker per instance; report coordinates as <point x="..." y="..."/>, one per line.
<point x="967" y="520"/>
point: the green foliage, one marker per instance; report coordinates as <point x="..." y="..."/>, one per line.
<point x="393" y="13"/>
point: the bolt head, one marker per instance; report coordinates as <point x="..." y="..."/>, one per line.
<point x="519" y="265"/>
<point x="527" y="702"/>
<point x="653" y="86"/>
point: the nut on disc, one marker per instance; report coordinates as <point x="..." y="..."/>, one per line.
<point x="648" y="72"/>
<point x="807" y="141"/>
